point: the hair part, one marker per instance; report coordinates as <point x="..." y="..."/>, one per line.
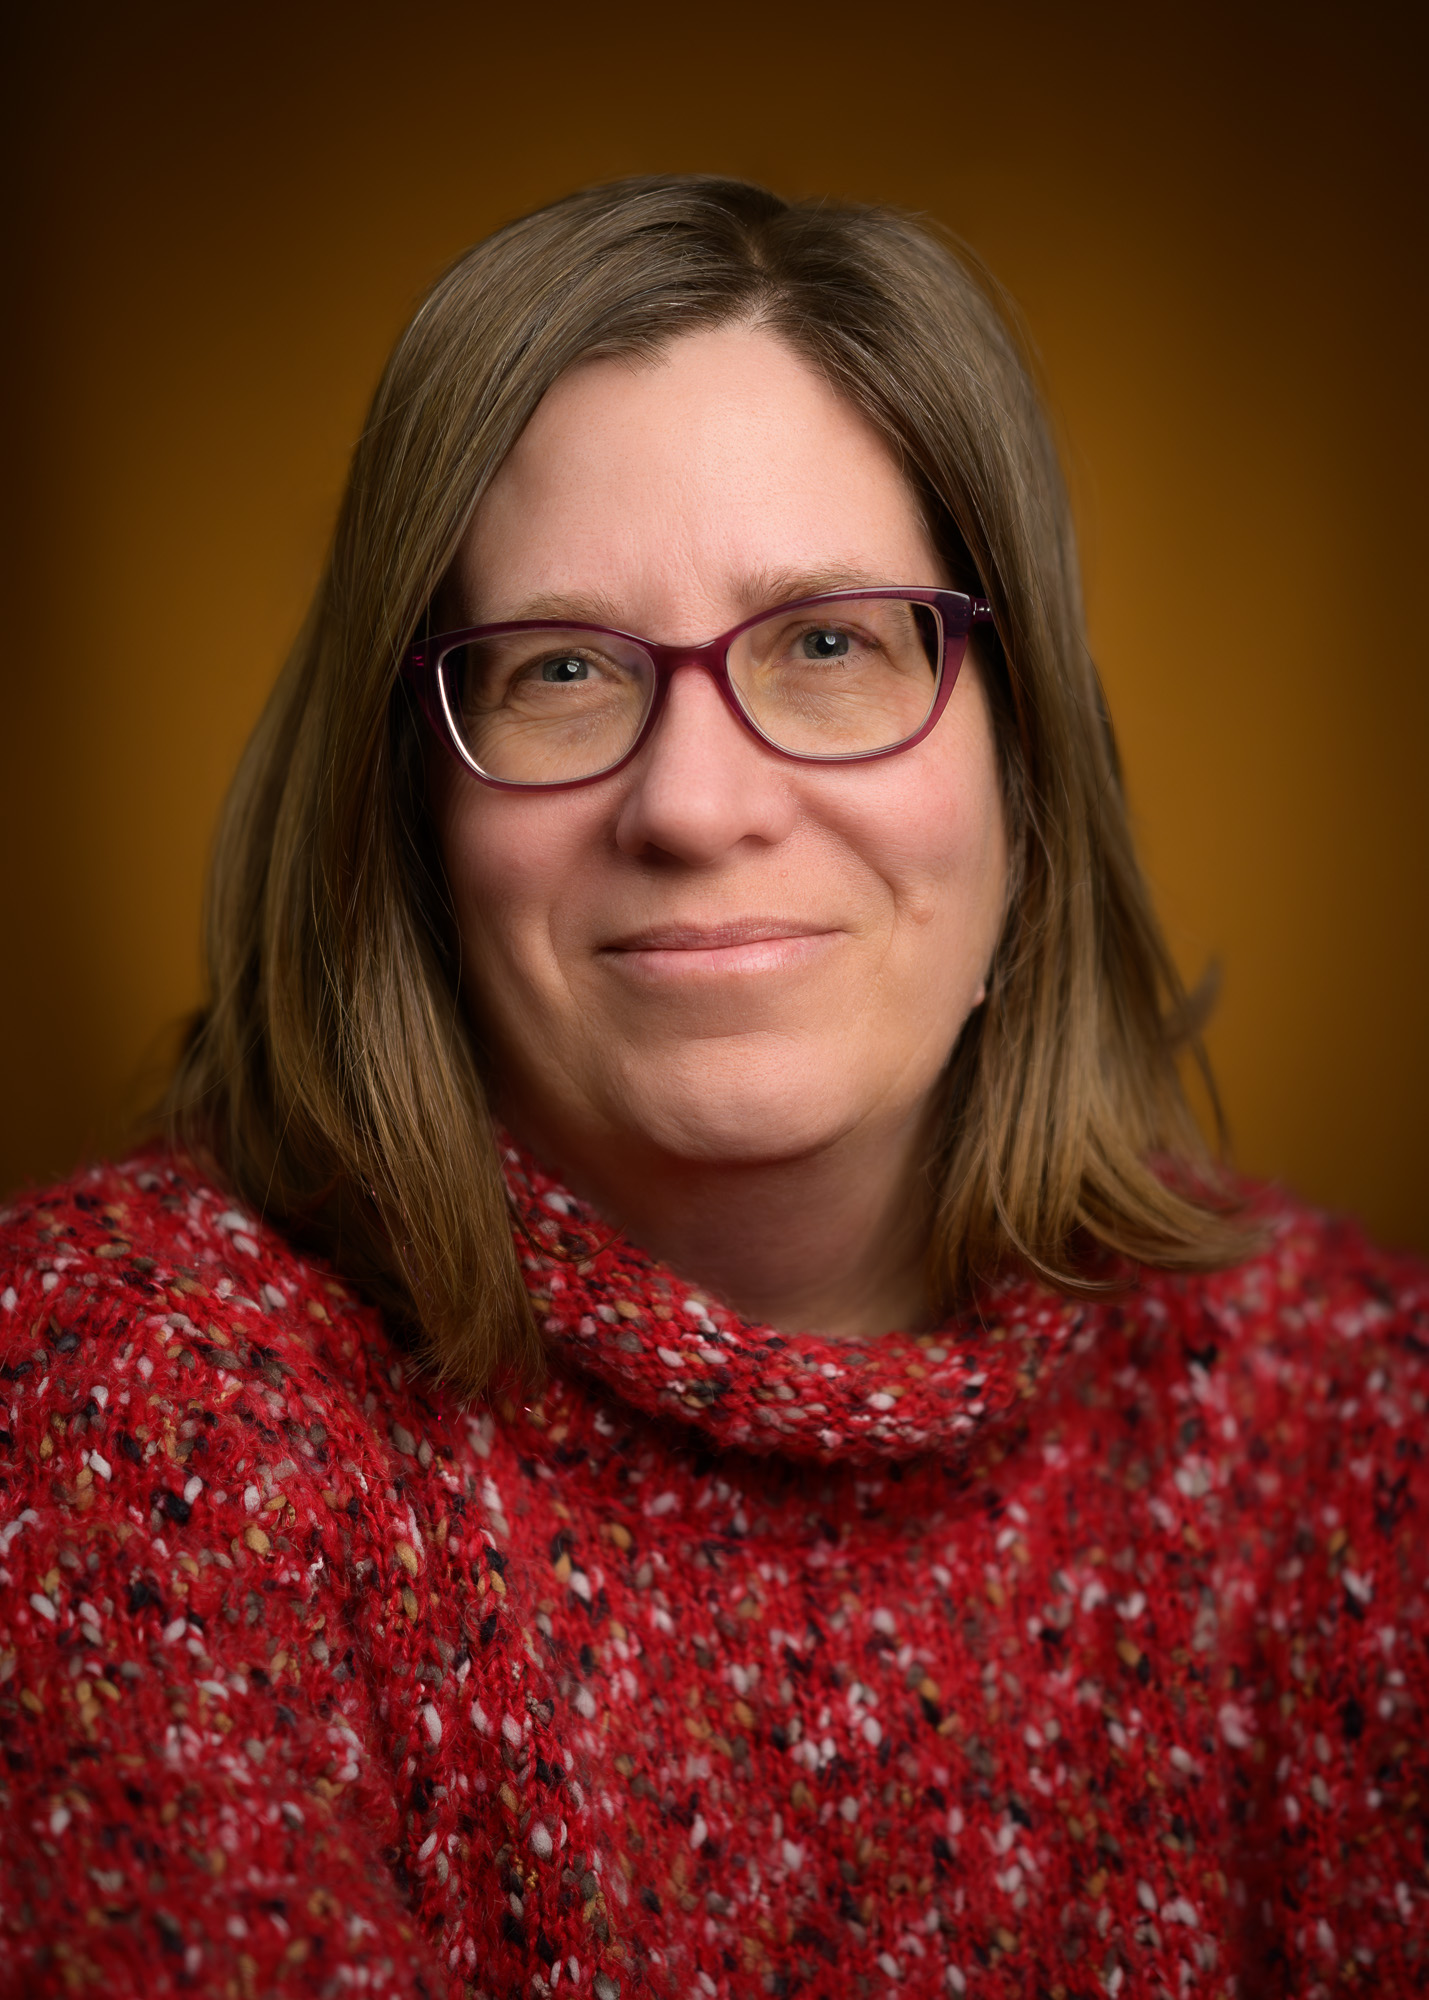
<point x="332" y="1078"/>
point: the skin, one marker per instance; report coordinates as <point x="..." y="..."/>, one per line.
<point x="720" y="986"/>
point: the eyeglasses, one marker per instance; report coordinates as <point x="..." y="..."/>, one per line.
<point x="831" y="679"/>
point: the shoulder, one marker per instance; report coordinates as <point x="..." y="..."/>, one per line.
<point x="1305" y="1469"/>
<point x="1317" y="1294"/>
<point x="211" y="1482"/>
<point x="151" y="1329"/>
<point x="151" y="1247"/>
<point x="141" y="1235"/>
<point x="1298" y="1390"/>
<point x="1315" y="1328"/>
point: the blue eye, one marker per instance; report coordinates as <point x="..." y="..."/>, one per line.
<point x="564" y="670"/>
<point x="825" y="645"/>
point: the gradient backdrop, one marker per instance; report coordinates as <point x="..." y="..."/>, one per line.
<point x="1211" y="220"/>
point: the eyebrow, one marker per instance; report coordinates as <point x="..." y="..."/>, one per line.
<point x="758" y="590"/>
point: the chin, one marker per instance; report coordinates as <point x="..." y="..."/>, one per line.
<point x="736" y="1113"/>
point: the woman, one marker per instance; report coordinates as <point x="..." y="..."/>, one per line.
<point x="442" y="1558"/>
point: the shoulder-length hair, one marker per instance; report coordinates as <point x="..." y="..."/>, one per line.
<point x="332" y="1079"/>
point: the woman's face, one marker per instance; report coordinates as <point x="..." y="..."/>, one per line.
<point x="715" y="955"/>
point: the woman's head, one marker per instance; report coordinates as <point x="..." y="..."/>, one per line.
<point x="663" y="406"/>
<point x="715" y="952"/>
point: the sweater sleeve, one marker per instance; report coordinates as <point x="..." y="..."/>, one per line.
<point x="188" y="1801"/>
<point x="1329" y="1722"/>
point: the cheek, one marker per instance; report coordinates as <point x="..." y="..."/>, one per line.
<point x="509" y="861"/>
<point x="940" y="837"/>
<point x="970" y="779"/>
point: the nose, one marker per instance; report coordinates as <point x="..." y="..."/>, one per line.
<point x="703" y="784"/>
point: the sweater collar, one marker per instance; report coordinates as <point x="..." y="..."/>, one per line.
<point x="672" y="1351"/>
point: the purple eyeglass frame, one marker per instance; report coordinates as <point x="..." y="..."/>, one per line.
<point x="423" y="664"/>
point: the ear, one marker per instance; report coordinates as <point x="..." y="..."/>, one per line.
<point x="981" y="993"/>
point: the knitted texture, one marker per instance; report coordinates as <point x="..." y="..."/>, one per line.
<point x="1071" y="1650"/>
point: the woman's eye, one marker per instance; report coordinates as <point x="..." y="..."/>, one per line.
<point x="567" y="668"/>
<point x="825" y="645"/>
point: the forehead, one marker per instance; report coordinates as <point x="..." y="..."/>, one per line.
<point x="700" y="478"/>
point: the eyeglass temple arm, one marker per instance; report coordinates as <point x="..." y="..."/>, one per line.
<point x="981" y="611"/>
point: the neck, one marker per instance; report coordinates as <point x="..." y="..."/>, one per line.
<point x="832" y="1241"/>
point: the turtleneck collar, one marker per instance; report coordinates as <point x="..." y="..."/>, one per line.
<point x="669" y="1349"/>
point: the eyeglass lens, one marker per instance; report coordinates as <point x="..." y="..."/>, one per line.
<point x="841" y="678"/>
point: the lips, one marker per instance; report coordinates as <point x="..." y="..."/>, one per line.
<point x="678" y="957"/>
<point x="717" y="937"/>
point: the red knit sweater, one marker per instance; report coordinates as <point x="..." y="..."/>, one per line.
<point x="1068" y="1651"/>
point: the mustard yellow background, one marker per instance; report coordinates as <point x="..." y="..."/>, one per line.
<point x="1210" y="217"/>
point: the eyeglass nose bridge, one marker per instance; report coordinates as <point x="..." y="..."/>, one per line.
<point x="711" y="658"/>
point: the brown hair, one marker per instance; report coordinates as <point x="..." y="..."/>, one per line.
<point x="332" y="1079"/>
